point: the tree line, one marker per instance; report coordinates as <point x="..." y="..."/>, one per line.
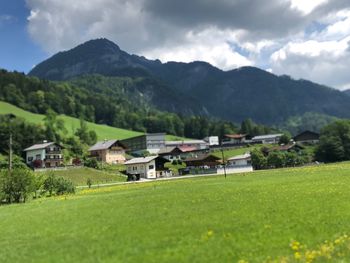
<point x="117" y="102"/>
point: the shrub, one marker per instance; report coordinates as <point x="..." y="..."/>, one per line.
<point x="58" y="185"/>
<point x="92" y="163"/>
<point x="16" y="185"/>
<point x="64" y="186"/>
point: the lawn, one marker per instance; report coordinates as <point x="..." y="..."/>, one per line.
<point x="71" y="124"/>
<point x="253" y="217"/>
<point x="79" y="176"/>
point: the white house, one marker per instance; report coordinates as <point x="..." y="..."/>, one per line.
<point x="240" y="160"/>
<point x="150" y="167"/>
<point x="268" y="138"/>
<point x="212" y="140"/>
<point x="46" y="154"/>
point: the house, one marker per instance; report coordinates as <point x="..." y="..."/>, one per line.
<point x="307" y="137"/>
<point x="150" y="167"/>
<point x="108" y="151"/>
<point x="203" y="160"/>
<point x="286" y="148"/>
<point x="151" y="142"/>
<point x="44" y="155"/>
<point x="267" y="139"/>
<point x="171" y="153"/>
<point x="240" y="161"/>
<point x="212" y="140"/>
<point x="195" y="144"/>
<point x="234" y="139"/>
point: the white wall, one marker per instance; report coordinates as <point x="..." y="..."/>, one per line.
<point x="143" y="169"/>
<point x="34" y="153"/>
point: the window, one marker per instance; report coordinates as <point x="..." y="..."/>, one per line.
<point x="151" y="167"/>
<point x="38" y="157"/>
<point x="30" y="159"/>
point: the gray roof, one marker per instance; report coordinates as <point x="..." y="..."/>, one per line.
<point x="38" y="146"/>
<point x="102" y="145"/>
<point x="267" y="136"/>
<point x="174" y="143"/>
<point x="141" y="160"/>
<point x="240" y="157"/>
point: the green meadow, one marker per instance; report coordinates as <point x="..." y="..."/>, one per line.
<point x="71" y="124"/>
<point x="286" y="215"/>
<point x="79" y="176"/>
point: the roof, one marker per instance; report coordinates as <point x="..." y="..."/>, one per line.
<point x="307" y="132"/>
<point x="201" y="158"/>
<point x="267" y="136"/>
<point x="103" y="145"/>
<point x="240" y="157"/>
<point x="174" y="143"/>
<point x="141" y="160"/>
<point x="38" y="146"/>
<point x="168" y="150"/>
<point x="235" y="136"/>
<point x="285" y="147"/>
<point x="187" y="148"/>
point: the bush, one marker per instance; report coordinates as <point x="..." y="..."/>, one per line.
<point x="175" y="162"/>
<point x="58" y="185"/>
<point x="92" y="163"/>
<point x="16" y="185"/>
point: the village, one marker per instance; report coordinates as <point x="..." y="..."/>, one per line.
<point x="151" y="156"/>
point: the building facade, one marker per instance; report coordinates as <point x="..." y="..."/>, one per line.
<point x="267" y="139"/>
<point x="307" y="137"/>
<point x="151" y="142"/>
<point x="44" y="155"/>
<point x="150" y="167"/>
<point x="108" y="151"/>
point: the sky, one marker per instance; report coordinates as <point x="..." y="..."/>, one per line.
<point x="308" y="39"/>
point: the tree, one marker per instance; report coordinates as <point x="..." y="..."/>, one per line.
<point x="16" y="185"/>
<point x="86" y="136"/>
<point x="285" y="139"/>
<point x="259" y="160"/>
<point x="276" y="159"/>
<point x="54" y="127"/>
<point x="334" y="142"/>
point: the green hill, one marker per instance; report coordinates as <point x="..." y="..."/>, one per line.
<point x="281" y="215"/>
<point x="103" y="131"/>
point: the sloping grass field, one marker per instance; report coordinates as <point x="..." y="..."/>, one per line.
<point x="287" y="215"/>
<point x="79" y="176"/>
<point x="71" y="124"/>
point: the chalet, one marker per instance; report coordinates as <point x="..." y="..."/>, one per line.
<point x="234" y="139"/>
<point x="150" y="167"/>
<point x="308" y="137"/>
<point x="108" y="151"/>
<point x="171" y="153"/>
<point x="44" y="155"/>
<point x="240" y="161"/>
<point x="195" y="144"/>
<point x="286" y="148"/>
<point x="151" y="142"/>
<point x="267" y="139"/>
<point x="204" y="160"/>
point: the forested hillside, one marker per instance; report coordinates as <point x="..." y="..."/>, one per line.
<point x="115" y="101"/>
<point x="199" y="87"/>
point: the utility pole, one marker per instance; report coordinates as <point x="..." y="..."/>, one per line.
<point x="11" y="117"/>
<point x="10" y="152"/>
<point x="223" y="160"/>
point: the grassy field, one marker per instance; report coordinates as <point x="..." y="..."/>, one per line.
<point x="233" y="152"/>
<point x="79" y="176"/>
<point x="103" y="131"/>
<point x="284" y="215"/>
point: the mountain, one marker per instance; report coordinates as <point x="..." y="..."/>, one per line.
<point x="233" y="95"/>
<point x="347" y="92"/>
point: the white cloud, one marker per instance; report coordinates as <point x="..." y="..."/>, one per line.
<point x="227" y="34"/>
<point x="307" y="6"/>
